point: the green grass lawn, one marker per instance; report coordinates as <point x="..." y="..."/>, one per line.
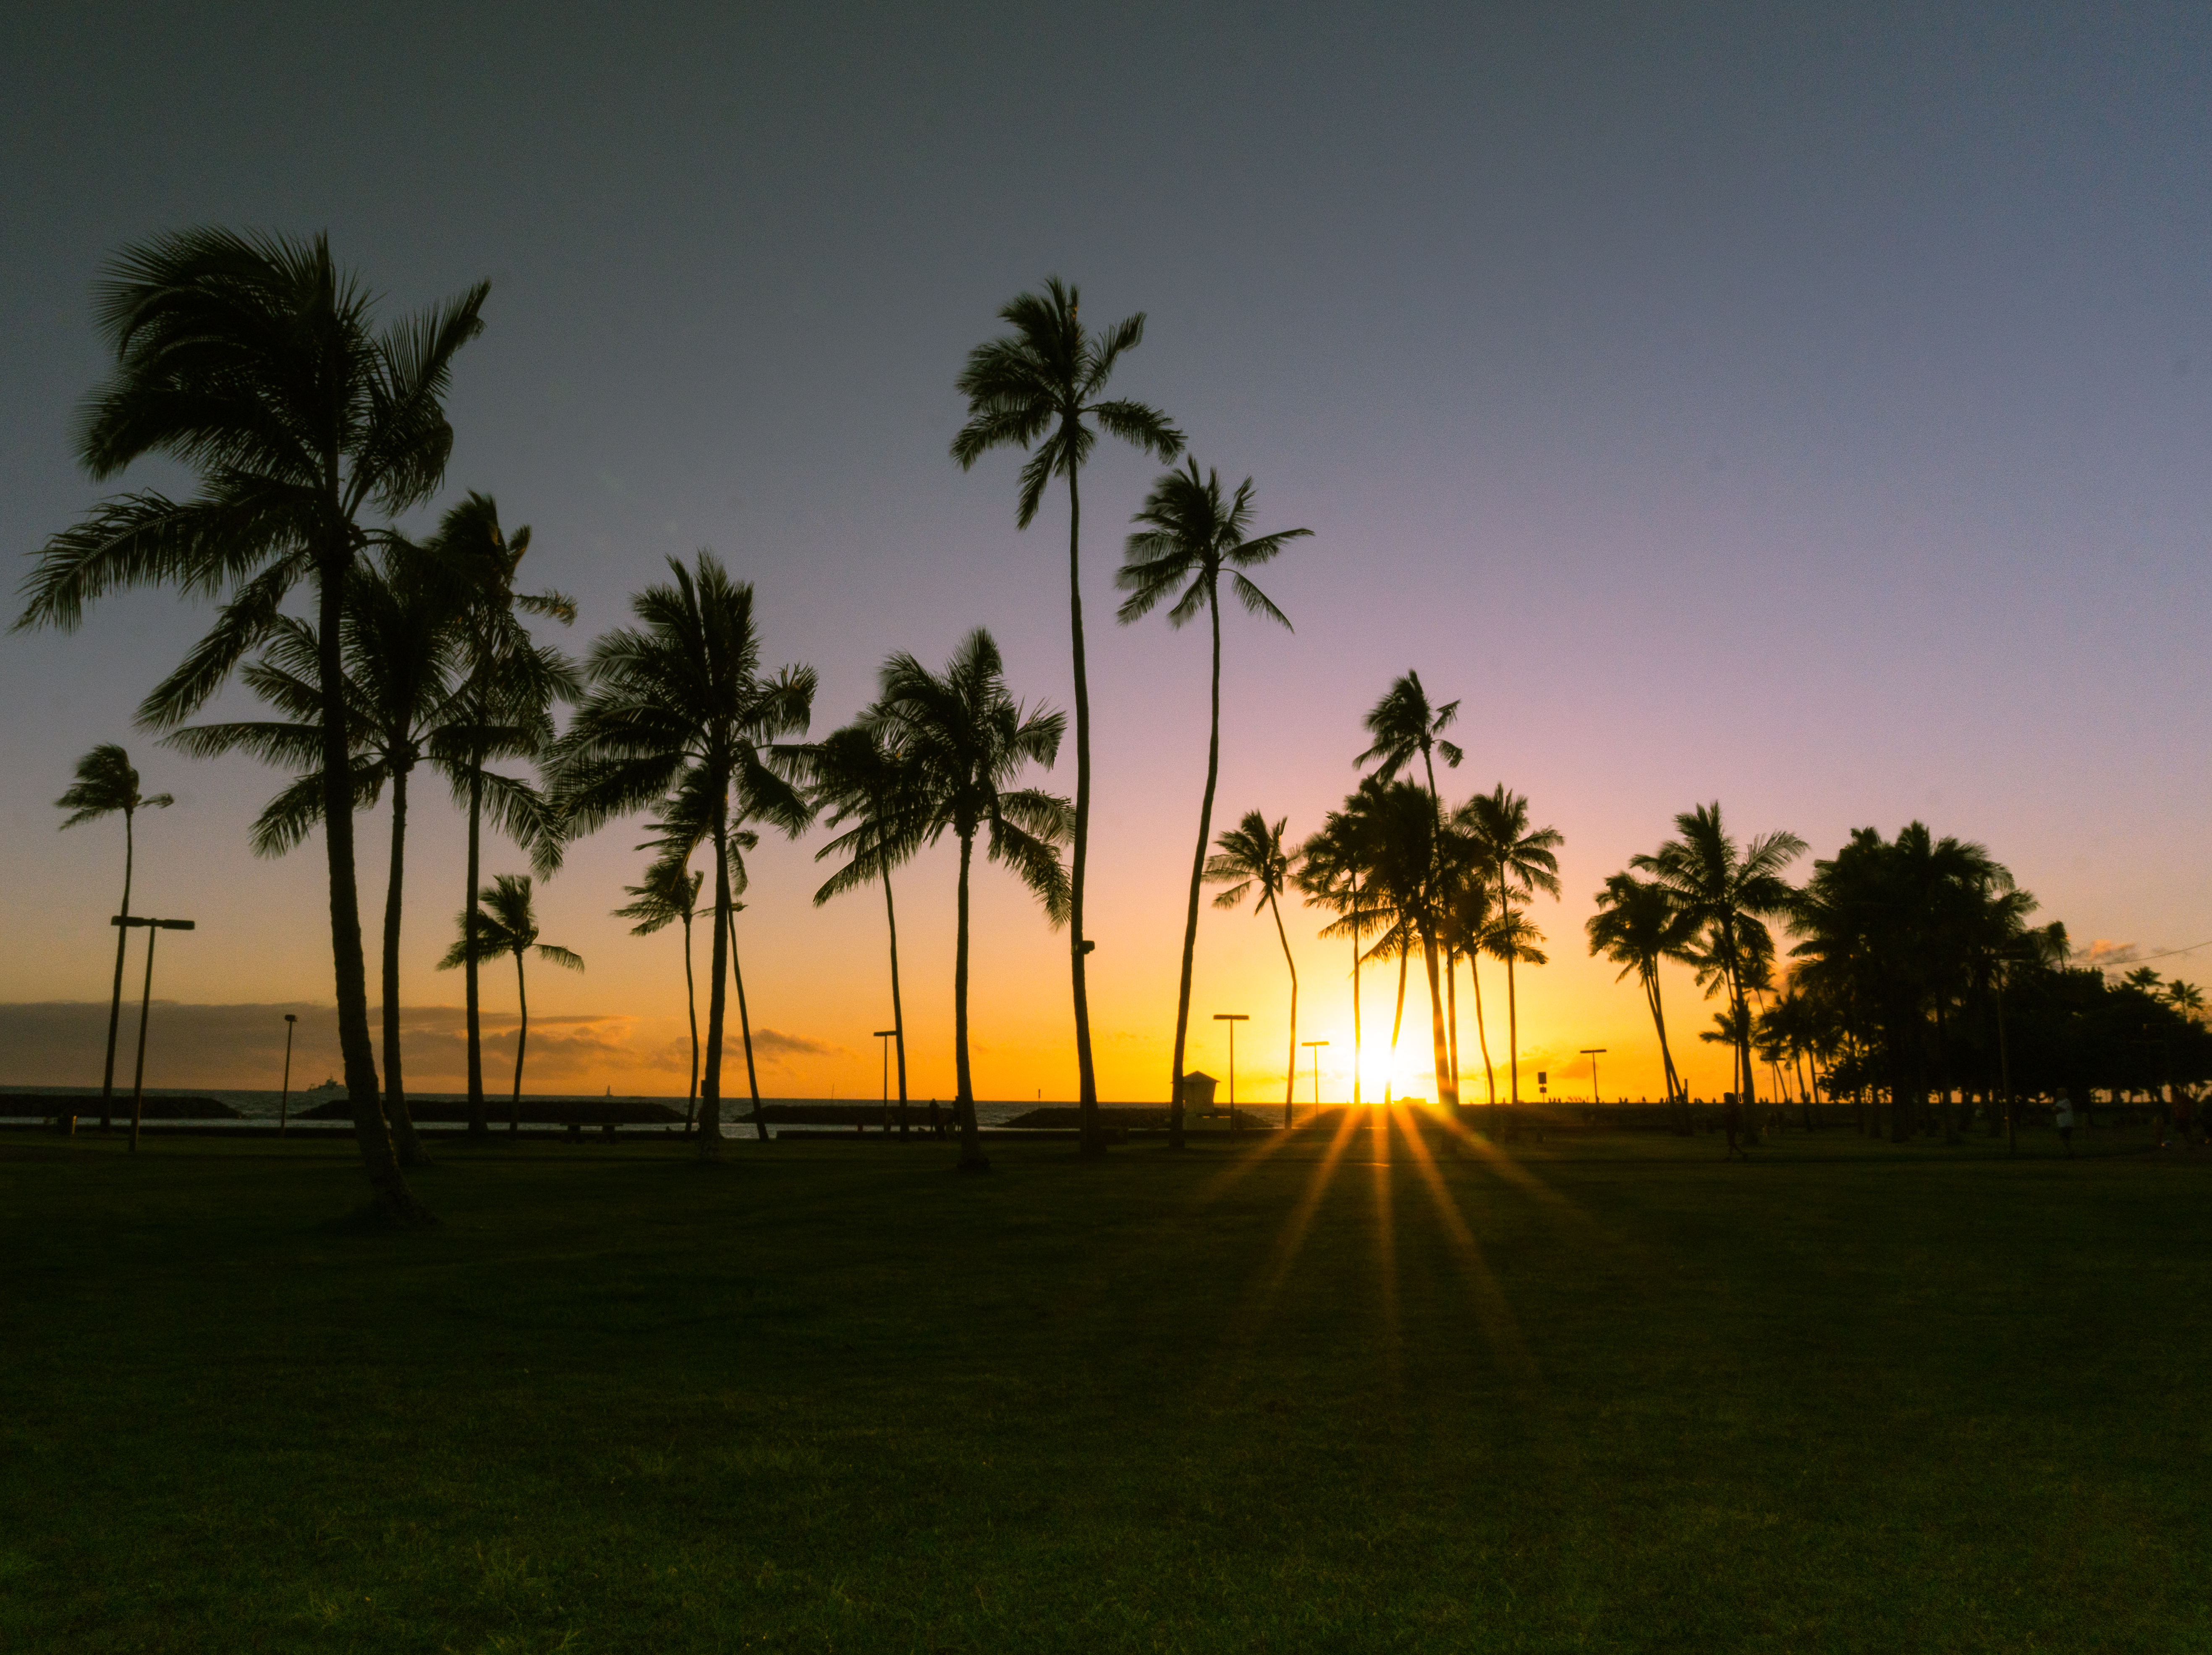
<point x="1609" y="1394"/>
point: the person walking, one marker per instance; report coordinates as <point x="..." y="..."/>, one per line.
<point x="2065" y="1117"/>
<point x="1732" y="1116"/>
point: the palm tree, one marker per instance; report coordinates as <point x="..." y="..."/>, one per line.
<point x="399" y="648"/>
<point x="1192" y="536"/>
<point x="1726" y="892"/>
<point x="1399" y="829"/>
<point x="855" y="778"/>
<point x="1468" y="914"/>
<point x="1521" y="861"/>
<point x="670" y="894"/>
<point x="105" y="784"/>
<point x="680" y="703"/>
<point x="511" y="685"/>
<point x="968" y="739"/>
<point x="504" y="921"/>
<point x="1039" y="389"/>
<point x="1637" y="925"/>
<point x="254" y="360"/>
<point x="2185" y="998"/>
<point x="1252" y="862"/>
<point x="1332" y="868"/>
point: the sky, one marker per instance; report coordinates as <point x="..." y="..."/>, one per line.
<point x="1803" y="408"/>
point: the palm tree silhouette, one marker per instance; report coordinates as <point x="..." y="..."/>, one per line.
<point x="254" y="360"/>
<point x="1635" y="927"/>
<point x="670" y="894"/>
<point x="511" y="685"/>
<point x="1522" y="861"/>
<point x="1038" y="388"/>
<point x="855" y="779"/>
<point x="1332" y="868"/>
<point x="1192" y="535"/>
<point x="680" y="703"/>
<point x="1398" y="828"/>
<point x="505" y="922"/>
<point x="1252" y="862"/>
<point x="968" y="739"/>
<point x="1467" y="917"/>
<point x="1726" y="892"/>
<point x="105" y="784"/>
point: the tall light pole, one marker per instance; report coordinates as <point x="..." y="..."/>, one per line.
<point x="1593" y="1053"/>
<point x="1314" y="1046"/>
<point x="1232" y="1019"/>
<point x="887" y="1036"/>
<point x="284" y="1103"/>
<point x="145" y="1004"/>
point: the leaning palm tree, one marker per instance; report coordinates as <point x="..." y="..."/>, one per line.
<point x="1522" y="861"/>
<point x="680" y="704"/>
<point x="510" y="685"/>
<point x="1636" y="926"/>
<point x="403" y="700"/>
<point x="874" y="792"/>
<point x="968" y="739"/>
<point x="669" y="895"/>
<point x="504" y="921"/>
<point x="1252" y="862"/>
<point x="105" y="783"/>
<point x="1192" y="536"/>
<point x="1728" y="893"/>
<point x="1040" y="388"/>
<point x="254" y="361"/>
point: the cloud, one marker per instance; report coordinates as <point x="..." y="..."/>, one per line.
<point x="2108" y="956"/>
<point x="775" y="1046"/>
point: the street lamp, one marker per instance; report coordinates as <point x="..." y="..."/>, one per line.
<point x="1232" y="1019"/>
<point x="284" y="1103"/>
<point x="1313" y="1046"/>
<point x="1593" y="1053"/>
<point x="886" y="1036"/>
<point x="145" y="1003"/>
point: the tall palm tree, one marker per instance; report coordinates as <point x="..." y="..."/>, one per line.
<point x="1522" y="861"/>
<point x="680" y="703"/>
<point x="105" y="783"/>
<point x="1468" y="914"/>
<point x="1040" y="387"/>
<point x="1252" y="862"/>
<point x="855" y="779"/>
<point x="670" y="894"/>
<point x="403" y="701"/>
<point x="504" y="921"/>
<point x="1637" y="925"/>
<point x="1728" y="893"/>
<point x="510" y="685"/>
<point x="1192" y="536"/>
<point x="1332" y="868"/>
<point x="1399" y="829"/>
<point x="254" y="361"/>
<point x="969" y="738"/>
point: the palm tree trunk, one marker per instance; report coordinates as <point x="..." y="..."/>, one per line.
<point x="1513" y="1032"/>
<point x="1291" y="1090"/>
<point x="691" y="1011"/>
<point x="1094" y="1137"/>
<point x="521" y="1040"/>
<point x="745" y="1030"/>
<point x="1197" y="874"/>
<point x="1358" y="1034"/>
<point x="1482" y="1031"/>
<point x="2004" y="1072"/>
<point x="479" y="1124"/>
<point x="1451" y="1012"/>
<point x="898" y="1009"/>
<point x="115" y="1001"/>
<point x="404" y="1136"/>
<point x="972" y="1158"/>
<point x="1397" y="1018"/>
<point x="1440" y="1058"/>
<point x="710" y="1090"/>
<point x="392" y="1197"/>
<point x="1677" y="1094"/>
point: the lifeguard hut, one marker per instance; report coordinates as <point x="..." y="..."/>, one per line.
<point x="1195" y="1090"/>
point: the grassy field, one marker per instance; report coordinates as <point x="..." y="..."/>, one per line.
<point x="1609" y="1394"/>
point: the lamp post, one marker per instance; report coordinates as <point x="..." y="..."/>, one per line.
<point x="1593" y="1054"/>
<point x="145" y="1003"/>
<point x="284" y="1103"/>
<point x="886" y="1036"/>
<point x="1314" y="1046"/>
<point x="1232" y="1019"/>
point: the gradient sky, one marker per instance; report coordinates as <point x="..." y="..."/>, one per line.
<point x="1802" y="408"/>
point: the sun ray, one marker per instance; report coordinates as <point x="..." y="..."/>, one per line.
<point x="1510" y="1169"/>
<point x="1386" y="1250"/>
<point x="1492" y="1311"/>
<point x="1291" y="1239"/>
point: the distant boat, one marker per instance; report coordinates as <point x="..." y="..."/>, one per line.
<point x="326" y="1085"/>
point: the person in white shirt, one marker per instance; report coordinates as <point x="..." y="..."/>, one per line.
<point x="2064" y="1115"/>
